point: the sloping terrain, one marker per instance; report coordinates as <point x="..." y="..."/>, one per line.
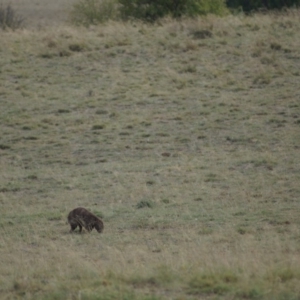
<point x="183" y="136"/>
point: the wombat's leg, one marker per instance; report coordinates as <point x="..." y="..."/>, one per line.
<point x="80" y="227"/>
<point x="73" y="227"/>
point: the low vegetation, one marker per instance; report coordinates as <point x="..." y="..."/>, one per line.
<point x="182" y="136"/>
<point x="9" y="18"/>
<point x="254" y="5"/>
<point x="149" y="10"/>
<point x="91" y="12"/>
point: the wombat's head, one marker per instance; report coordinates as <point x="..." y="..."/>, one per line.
<point x="99" y="226"/>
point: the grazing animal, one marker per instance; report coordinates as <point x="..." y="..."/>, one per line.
<point x="81" y="217"/>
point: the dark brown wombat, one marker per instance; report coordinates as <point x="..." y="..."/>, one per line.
<point x="83" y="218"/>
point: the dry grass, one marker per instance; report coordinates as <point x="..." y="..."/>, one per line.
<point x="42" y="13"/>
<point x="184" y="136"/>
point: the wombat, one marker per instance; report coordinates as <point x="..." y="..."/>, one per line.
<point x="83" y="218"/>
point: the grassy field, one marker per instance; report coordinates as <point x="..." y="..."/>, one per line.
<point x="41" y="13"/>
<point x="182" y="136"/>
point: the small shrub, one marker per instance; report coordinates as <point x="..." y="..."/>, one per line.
<point x="63" y="111"/>
<point x="9" y="18"/>
<point x="261" y="79"/>
<point x="101" y="112"/>
<point x="150" y="182"/>
<point x="166" y="201"/>
<point x="92" y="12"/>
<point x="98" y="127"/>
<point x="77" y="47"/>
<point x="275" y="46"/>
<point x="241" y="231"/>
<point x="145" y="203"/>
<point x="219" y="283"/>
<point x="4" y="147"/>
<point x="47" y="54"/>
<point x="32" y="177"/>
<point x="202" y="34"/>
<point x="251" y="5"/>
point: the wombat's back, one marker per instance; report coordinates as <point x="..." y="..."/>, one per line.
<point x="78" y="212"/>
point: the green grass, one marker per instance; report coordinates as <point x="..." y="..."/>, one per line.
<point x="187" y="145"/>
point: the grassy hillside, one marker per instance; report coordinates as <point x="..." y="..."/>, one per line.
<point x="41" y="13"/>
<point x="182" y="136"/>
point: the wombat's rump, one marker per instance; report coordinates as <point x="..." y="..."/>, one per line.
<point x="81" y="217"/>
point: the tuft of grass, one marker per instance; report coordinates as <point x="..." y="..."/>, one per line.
<point x="145" y="204"/>
<point x="98" y="213"/>
<point x="262" y="79"/>
<point x="201" y="34"/>
<point x="213" y="283"/>
<point x="77" y="47"/>
<point x="9" y="18"/>
<point x="282" y="275"/>
<point x="4" y="147"/>
<point x="98" y="127"/>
